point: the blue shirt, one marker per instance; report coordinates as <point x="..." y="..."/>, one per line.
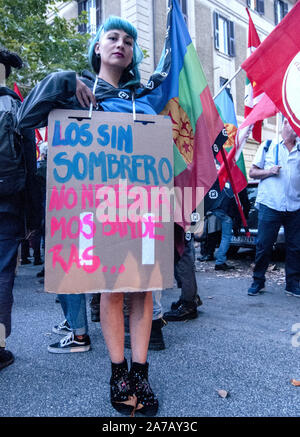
<point x="280" y="192"/>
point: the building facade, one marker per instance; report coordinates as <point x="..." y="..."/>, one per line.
<point x="219" y="31"/>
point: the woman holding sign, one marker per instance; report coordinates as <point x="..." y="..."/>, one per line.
<point x="114" y="55"/>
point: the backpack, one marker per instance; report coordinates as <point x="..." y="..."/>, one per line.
<point x="267" y="146"/>
<point x="12" y="162"/>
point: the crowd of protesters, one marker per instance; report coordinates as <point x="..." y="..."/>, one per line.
<point x="132" y="320"/>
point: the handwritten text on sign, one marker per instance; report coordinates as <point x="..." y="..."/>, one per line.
<point x="104" y="166"/>
<point x="106" y="182"/>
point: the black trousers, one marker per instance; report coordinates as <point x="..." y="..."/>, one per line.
<point x="185" y="274"/>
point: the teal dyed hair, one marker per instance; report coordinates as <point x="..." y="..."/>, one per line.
<point x="131" y="75"/>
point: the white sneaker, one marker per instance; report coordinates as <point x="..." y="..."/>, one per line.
<point x="63" y="328"/>
<point x="71" y="343"/>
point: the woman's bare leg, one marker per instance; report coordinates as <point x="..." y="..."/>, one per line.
<point x="140" y="322"/>
<point x="112" y="324"/>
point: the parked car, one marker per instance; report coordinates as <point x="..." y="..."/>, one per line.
<point x="241" y="240"/>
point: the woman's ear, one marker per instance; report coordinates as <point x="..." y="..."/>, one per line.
<point x="97" y="49"/>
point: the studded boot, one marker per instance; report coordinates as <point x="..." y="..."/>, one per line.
<point x="121" y="395"/>
<point x="146" y="402"/>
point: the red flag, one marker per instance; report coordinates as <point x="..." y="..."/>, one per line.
<point x="275" y="66"/>
<point x="264" y="109"/>
<point x="38" y="136"/>
<point x="17" y="91"/>
<point x="236" y="173"/>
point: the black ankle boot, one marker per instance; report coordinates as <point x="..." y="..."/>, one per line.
<point x="121" y="395"/>
<point x="147" y="402"/>
<point x="156" y="342"/>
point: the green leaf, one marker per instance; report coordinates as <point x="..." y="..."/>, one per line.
<point x="44" y="47"/>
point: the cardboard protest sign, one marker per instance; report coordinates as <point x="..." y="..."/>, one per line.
<point x="109" y="215"/>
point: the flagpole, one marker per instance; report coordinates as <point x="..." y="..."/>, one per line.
<point x="277" y="137"/>
<point x="237" y="199"/>
<point x="228" y="82"/>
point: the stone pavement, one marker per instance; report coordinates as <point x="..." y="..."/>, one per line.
<point x="240" y="344"/>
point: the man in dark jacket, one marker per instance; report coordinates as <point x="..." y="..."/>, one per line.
<point x="19" y="213"/>
<point x="227" y="211"/>
<point x="185" y="274"/>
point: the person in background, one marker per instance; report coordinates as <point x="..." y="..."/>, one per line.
<point x="278" y="200"/>
<point x="226" y="210"/>
<point x="211" y="237"/>
<point x="156" y="342"/>
<point x="74" y="327"/>
<point x="185" y="274"/>
<point x="34" y="242"/>
<point x="19" y="212"/>
<point x="42" y="178"/>
<point x="35" y="239"/>
<point x="95" y="307"/>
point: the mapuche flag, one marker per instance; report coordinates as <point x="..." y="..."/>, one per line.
<point x="275" y="66"/>
<point x="225" y="107"/>
<point x="179" y="89"/>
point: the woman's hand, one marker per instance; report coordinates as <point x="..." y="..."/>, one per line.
<point x="84" y="94"/>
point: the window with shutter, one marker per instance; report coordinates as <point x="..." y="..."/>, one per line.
<point x="93" y="10"/>
<point x="231" y="38"/>
<point x="183" y="5"/>
<point x="260" y="6"/>
<point x="216" y="30"/>
<point x="285" y="8"/>
<point x="222" y="81"/>
<point x="82" y="6"/>
<point x="276" y="12"/>
<point x="98" y="13"/>
<point x="92" y="17"/>
<point x="224" y="35"/>
<point x="281" y="8"/>
<point x="256" y="5"/>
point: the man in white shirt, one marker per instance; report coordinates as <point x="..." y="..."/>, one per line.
<point x="278" y="200"/>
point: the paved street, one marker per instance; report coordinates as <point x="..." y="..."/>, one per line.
<point x="239" y="344"/>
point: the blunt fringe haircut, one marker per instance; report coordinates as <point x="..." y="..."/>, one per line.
<point x="131" y="76"/>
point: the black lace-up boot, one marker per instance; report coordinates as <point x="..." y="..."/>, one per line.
<point x="121" y="395"/>
<point x="146" y="402"/>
